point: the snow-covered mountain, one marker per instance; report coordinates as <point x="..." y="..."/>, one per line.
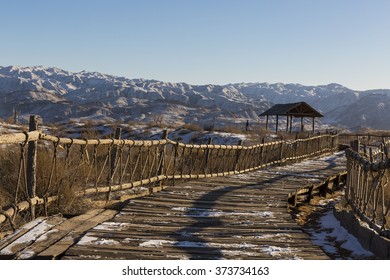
<point x="59" y="95"/>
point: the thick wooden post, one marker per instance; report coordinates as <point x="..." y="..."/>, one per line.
<point x="277" y="123"/>
<point x="114" y="153"/>
<point x="32" y="165"/>
<point x="266" y="123"/>
<point x="302" y="126"/>
<point x="291" y="123"/>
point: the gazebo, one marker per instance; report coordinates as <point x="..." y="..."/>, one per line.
<point x="297" y="110"/>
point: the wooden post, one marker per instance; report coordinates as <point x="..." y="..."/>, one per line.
<point x="312" y="129"/>
<point x="386" y="151"/>
<point x="324" y="188"/>
<point x="336" y="143"/>
<point x="175" y="159"/>
<point x="262" y="152"/>
<point x="277" y="123"/>
<point x="302" y="126"/>
<point x="114" y="153"/>
<point x="365" y="149"/>
<point x="287" y="123"/>
<point x="207" y="155"/>
<point x="162" y="154"/>
<point x="266" y="123"/>
<point x="310" y="194"/>
<point x="319" y="146"/>
<point x="371" y="154"/>
<point x="32" y="165"/>
<point x="238" y="153"/>
<point x="355" y="145"/>
<point x="381" y="148"/>
<point x="281" y="150"/>
<point x="291" y="123"/>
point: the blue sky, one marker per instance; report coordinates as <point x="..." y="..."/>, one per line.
<point x="309" y="42"/>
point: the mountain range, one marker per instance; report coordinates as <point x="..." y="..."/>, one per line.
<point x="59" y="96"/>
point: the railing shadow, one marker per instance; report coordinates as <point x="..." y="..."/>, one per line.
<point x="203" y="212"/>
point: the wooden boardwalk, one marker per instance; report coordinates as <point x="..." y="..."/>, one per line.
<point x="236" y="217"/>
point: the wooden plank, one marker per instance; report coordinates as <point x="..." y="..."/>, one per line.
<point x="55" y="234"/>
<point x="19" y="244"/>
<point x="19" y="232"/>
<point x="62" y="245"/>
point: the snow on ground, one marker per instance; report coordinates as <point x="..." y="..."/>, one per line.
<point x="112" y="226"/>
<point x="27" y="254"/>
<point x="203" y="212"/>
<point x="312" y="177"/>
<point x="29" y="237"/>
<point x="331" y="236"/>
<point x="201" y="137"/>
<point x="93" y="240"/>
<point x="276" y="251"/>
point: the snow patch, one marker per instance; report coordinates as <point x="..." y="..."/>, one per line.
<point x="276" y="251"/>
<point x="27" y="238"/>
<point x="332" y="234"/>
<point x="204" y="212"/>
<point x="112" y="226"/>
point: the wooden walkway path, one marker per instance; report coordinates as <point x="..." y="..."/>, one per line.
<point x="236" y="217"/>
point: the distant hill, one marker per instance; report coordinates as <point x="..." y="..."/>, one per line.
<point x="58" y="96"/>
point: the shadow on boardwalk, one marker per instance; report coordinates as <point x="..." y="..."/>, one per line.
<point x="203" y="211"/>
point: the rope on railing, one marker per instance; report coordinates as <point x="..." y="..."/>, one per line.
<point x="368" y="190"/>
<point x="69" y="168"/>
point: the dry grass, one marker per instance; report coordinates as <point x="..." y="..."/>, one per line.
<point x="232" y="129"/>
<point x="9" y="163"/>
<point x="192" y="127"/>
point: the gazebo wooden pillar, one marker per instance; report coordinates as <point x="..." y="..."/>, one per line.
<point x="291" y="110"/>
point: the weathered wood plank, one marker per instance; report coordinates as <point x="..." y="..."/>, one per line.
<point x="62" y="245"/>
<point x="55" y="234"/>
<point x="33" y="234"/>
<point x="19" y="232"/>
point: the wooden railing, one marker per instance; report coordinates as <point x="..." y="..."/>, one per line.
<point x="368" y="188"/>
<point x="364" y="139"/>
<point x="44" y="168"/>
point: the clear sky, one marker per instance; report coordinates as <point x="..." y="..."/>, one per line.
<point x="310" y="42"/>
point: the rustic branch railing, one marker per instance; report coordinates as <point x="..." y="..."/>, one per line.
<point x="85" y="167"/>
<point x="368" y="189"/>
